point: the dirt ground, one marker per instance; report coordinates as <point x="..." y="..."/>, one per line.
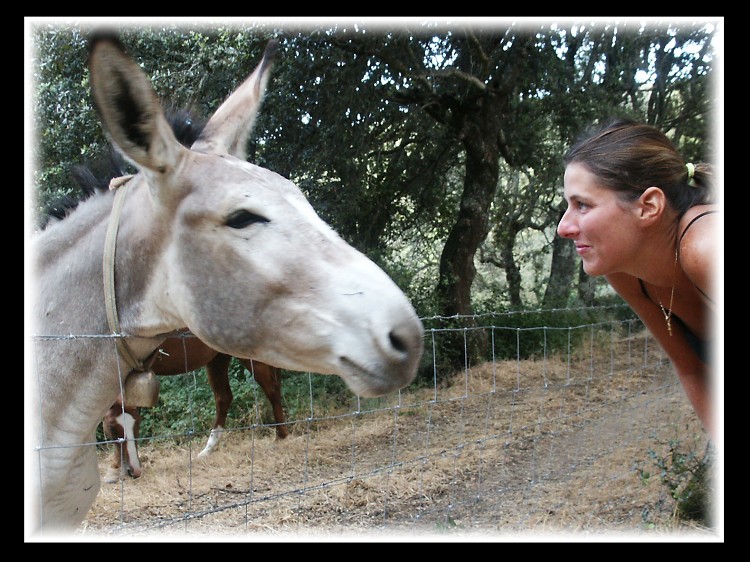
<point x="547" y="450"/>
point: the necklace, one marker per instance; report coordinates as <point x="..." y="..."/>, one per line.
<point x="668" y="313"/>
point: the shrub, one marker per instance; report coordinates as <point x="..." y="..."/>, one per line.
<point x="687" y="477"/>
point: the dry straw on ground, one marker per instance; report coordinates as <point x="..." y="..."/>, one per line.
<point x="549" y="446"/>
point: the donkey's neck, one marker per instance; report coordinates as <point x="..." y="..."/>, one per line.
<point x="70" y="313"/>
<point x="70" y="261"/>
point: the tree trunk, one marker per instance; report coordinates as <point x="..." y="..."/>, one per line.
<point x="481" y="129"/>
<point x="586" y="287"/>
<point x="562" y="273"/>
<point x="512" y="274"/>
<point x="457" y="270"/>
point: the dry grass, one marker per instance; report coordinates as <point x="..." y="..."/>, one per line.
<point x="536" y="447"/>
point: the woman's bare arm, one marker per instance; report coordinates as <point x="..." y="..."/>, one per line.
<point x="692" y="372"/>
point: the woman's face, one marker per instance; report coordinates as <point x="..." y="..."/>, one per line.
<point x="600" y="223"/>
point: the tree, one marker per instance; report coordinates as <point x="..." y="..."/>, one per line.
<point x="415" y="141"/>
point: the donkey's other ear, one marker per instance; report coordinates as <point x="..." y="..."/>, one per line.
<point x="227" y="132"/>
<point x="129" y="108"/>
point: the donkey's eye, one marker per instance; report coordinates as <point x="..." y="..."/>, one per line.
<point x="243" y="218"/>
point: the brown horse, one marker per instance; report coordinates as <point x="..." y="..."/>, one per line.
<point x="200" y="239"/>
<point x="176" y="356"/>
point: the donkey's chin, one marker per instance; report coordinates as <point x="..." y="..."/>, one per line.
<point x="370" y="383"/>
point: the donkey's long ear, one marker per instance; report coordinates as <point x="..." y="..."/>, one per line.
<point x="228" y="130"/>
<point x="129" y="108"/>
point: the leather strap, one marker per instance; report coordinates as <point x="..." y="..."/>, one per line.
<point x="110" y="301"/>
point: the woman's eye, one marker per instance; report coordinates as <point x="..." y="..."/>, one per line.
<point x="242" y="218"/>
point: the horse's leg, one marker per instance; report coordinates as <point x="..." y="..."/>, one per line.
<point x="112" y="431"/>
<point x="269" y="379"/>
<point x="124" y="427"/>
<point x="131" y="420"/>
<point x="218" y="377"/>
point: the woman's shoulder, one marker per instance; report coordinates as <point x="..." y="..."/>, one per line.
<point x="699" y="244"/>
<point x="697" y="228"/>
<point x="703" y="218"/>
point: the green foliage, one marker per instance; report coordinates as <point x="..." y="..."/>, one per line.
<point x="686" y="474"/>
<point x="186" y="406"/>
<point x="454" y="343"/>
<point x="306" y="394"/>
<point x="373" y="126"/>
<point x="189" y="67"/>
<point x="532" y="334"/>
<point x="66" y="129"/>
<point x="186" y="402"/>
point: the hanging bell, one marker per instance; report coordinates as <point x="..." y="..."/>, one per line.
<point x="142" y="389"/>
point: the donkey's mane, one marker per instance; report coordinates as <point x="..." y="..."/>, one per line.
<point x="94" y="176"/>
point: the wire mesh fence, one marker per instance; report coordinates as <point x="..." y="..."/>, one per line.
<point x="529" y="429"/>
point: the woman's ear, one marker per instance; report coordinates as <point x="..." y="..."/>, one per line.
<point x="651" y="204"/>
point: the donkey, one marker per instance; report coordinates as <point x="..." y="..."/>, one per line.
<point x="203" y="240"/>
<point x="178" y="355"/>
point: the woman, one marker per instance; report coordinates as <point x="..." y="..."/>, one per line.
<point x="643" y="217"/>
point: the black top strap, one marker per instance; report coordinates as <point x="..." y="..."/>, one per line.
<point x="695" y="218"/>
<point x="679" y="246"/>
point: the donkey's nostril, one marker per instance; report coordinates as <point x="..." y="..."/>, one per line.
<point x="398" y="343"/>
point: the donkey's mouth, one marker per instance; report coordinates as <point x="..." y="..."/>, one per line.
<point x="367" y="383"/>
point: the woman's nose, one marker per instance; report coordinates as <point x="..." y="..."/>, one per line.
<point x="565" y="227"/>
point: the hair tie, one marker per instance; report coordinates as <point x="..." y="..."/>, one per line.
<point x="691" y="171"/>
